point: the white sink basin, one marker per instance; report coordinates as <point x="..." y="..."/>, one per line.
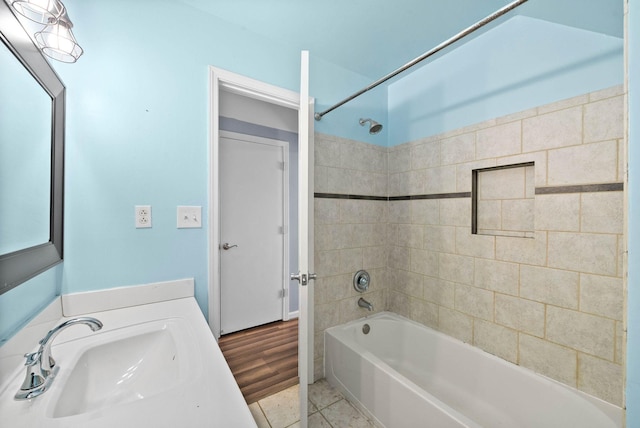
<point x="123" y="370"/>
<point x="153" y="365"/>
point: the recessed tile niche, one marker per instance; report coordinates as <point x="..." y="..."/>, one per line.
<point x="504" y="200"/>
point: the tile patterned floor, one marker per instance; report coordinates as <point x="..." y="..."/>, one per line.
<point x="327" y="409"/>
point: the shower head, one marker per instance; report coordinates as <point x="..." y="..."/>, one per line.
<point x="374" y="127"/>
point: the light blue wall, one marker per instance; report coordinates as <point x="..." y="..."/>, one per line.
<point x="137" y="133"/>
<point x="20" y="304"/>
<point x="633" y="296"/>
<point x="330" y="85"/>
<point x="519" y="64"/>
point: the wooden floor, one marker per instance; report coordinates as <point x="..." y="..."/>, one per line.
<point x="264" y="359"/>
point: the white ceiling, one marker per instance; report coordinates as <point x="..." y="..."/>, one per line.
<point x="374" y="37"/>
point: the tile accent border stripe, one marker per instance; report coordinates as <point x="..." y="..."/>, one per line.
<point x="584" y="188"/>
<point x="344" y="196"/>
<point x="431" y="196"/>
<point x="393" y="198"/>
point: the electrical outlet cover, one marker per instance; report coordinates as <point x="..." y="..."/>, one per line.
<point x="143" y="216"/>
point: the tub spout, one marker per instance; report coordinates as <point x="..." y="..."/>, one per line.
<point x="364" y="304"/>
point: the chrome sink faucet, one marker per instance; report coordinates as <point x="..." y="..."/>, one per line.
<point x="364" y="304"/>
<point x="41" y="367"/>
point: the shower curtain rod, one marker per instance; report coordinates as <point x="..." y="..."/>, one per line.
<point x="495" y="15"/>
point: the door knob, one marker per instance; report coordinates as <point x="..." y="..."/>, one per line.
<point x="226" y="246"/>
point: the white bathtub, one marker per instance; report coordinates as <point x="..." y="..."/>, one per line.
<point x="403" y="374"/>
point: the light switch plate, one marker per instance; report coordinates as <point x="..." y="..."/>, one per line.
<point x="189" y="217"/>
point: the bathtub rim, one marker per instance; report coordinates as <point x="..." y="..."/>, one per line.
<point x="615" y="413"/>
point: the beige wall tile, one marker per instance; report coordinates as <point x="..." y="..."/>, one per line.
<point x="424" y="312"/>
<point x="489" y="216"/>
<point x="333" y="236"/>
<point x="455" y="212"/>
<point x="351" y="260"/>
<point x="440" y="180"/>
<point x="600" y="378"/>
<point x="327" y="263"/>
<point x="468" y="244"/>
<point x="520" y="314"/>
<point x="517" y="116"/>
<point x="473" y="301"/>
<point x="587" y="333"/>
<point x="326" y="211"/>
<point x="340" y="180"/>
<point x="425" y="211"/>
<point x="553" y="286"/>
<point x="463" y="173"/>
<point x="601" y="295"/>
<point x="588" y="163"/>
<point x="564" y="104"/>
<point x="400" y="258"/>
<point x="538" y="158"/>
<point x="549" y="359"/>
<point x="602" y="212"/>
<point x="351" y="211"/>
<point x="326" y="315"/>
<point x="333" y="288"/>
<point x="532" y="251"/>
<point x="502" y="140"/>
<point x="558" y="212"/>
<point x="606" y="93"/>
<point x="495" y="339"/>
<point x="455" y="324"/>
<point x="399" y="160"/>
<point x="621" y="161"/>
<point x="440" y="238"/>
<point x="374" y="257"/>
<point x="518" y="215"/>
<point x="424" y="262"/>
<point x="398" y="303"/>
<point x="620" y="343"/>
<point x="411" y="235"/>
<point x="400" y="211"/>
<point x="506" y="183"/>
<point x="425" y="155"/>
<point x="439" y="291"/>
<point x="320" y="179"/>
<point x="409" y="283"/>
<point x="326" y="151"/>
<point x="456" y="268"/>
<point x="458" y="149"/>
<point x="583" y="252"/>
<point x="557" y="129"/>
<point x="417" y="182"/>
<point x="496" y="276"/>
<point x="603" y="120"/>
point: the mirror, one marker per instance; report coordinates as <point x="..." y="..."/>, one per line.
<point x="32" y="101"/>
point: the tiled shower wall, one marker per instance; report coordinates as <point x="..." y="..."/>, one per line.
<point x="552" y="303"/>
<point x="350" y="234"/>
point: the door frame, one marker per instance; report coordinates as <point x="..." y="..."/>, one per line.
<point x="284" y="145"/>
<point x="220" y="79"/>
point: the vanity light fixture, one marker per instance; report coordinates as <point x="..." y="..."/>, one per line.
<point x="40" y="11"/>
<point x="55" y="40"/>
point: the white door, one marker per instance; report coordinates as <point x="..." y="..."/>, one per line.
<point x="253" y="187"/>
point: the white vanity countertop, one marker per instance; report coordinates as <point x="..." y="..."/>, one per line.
<point x="209" y="397"/>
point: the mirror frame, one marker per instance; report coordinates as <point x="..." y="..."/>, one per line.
<point x="22" y="265"/>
